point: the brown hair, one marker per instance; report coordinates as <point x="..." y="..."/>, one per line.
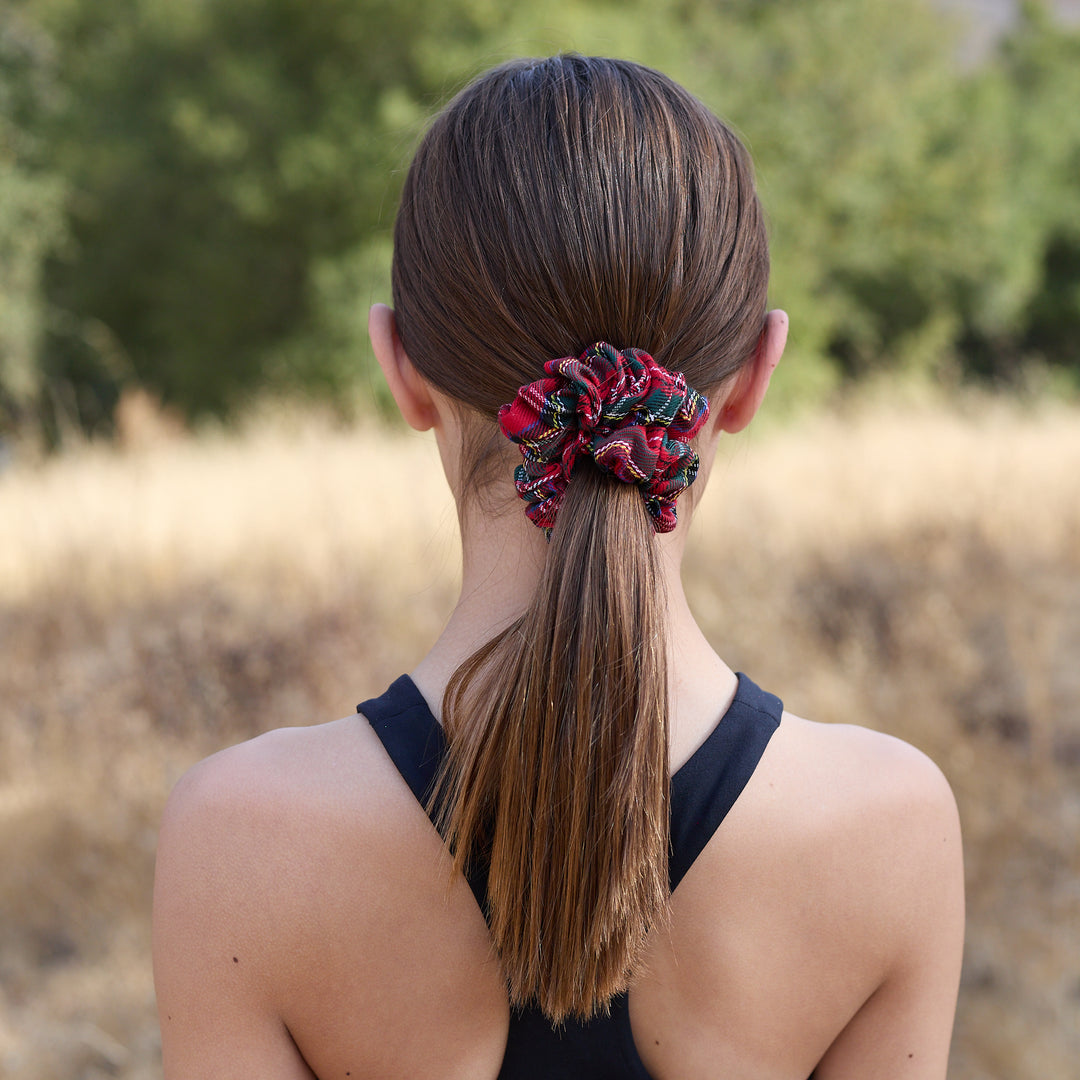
<point x="555" y="203"/>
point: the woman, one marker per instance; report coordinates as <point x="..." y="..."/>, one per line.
<point x="645" y="869"/>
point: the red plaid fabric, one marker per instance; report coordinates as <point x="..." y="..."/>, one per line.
<point x="633" y="417"/>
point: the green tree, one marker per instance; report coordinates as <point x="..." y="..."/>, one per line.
<point x="233" y="167"/>
<point x="1041" y="64"/>
<point x="31" y="222"/>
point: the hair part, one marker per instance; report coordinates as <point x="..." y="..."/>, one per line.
<point x="552" y="204"/>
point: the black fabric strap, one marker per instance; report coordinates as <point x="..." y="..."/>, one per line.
<point x="416" y="744"/>
<point x="706" y="787"/>
<point x="412" y="736"/>
<point x="702" y="793"/>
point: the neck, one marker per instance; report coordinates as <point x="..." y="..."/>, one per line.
<point x="503" y="555"/>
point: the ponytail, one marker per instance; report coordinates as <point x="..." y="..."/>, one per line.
<point x="638" y="225"/>
<point x="557" y="775"/>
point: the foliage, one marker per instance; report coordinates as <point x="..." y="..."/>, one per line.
<point x="220" y="156"/>
<point x="1042" y="63"/>
<point x="30" y="208"/>
<point x="197" y="197"/>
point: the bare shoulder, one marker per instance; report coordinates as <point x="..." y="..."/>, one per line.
<point x="297" y="877"/>
<point x="235" y="820"/>
<point x="240" y="838"/>
<point x="838" y="873"/>
<point x="853" y="752"/>
<point x="252" y="839"/>
<point x="876" y="852"/>
<point x="869" y="780"/>
<point x="872" y="813"/>
<point x="247" y="833"/>
<point x="289" y="775"/>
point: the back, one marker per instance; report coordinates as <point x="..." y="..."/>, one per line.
<point x="819" y="927"/>
<point x="703" y="790"/>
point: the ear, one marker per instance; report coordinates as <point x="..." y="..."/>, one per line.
<point x="408" y="386"/>
<point x="749" y="386"/>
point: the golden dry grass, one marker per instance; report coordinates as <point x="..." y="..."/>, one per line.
<point x="912" y="568"/>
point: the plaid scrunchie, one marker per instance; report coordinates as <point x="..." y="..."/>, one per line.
<point x="633" y="417"/>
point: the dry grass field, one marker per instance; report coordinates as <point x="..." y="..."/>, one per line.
<point x="911" y="568"/>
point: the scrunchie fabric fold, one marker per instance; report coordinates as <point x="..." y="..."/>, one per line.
<point x="633" y="417"/>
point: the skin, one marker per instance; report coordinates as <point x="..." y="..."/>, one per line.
<point x="306" y="923"/>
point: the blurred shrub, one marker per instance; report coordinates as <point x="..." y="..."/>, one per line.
<point x="31" y="208"/>
<point x="224" y="157"/>
<point x="225" y="172"/>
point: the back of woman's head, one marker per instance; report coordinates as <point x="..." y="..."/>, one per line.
<point x="554" y="204"/>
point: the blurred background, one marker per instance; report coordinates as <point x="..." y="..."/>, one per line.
<point x="196" y="201"/>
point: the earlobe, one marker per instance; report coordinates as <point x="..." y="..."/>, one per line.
<point x="748" y="390"/>
<point x="409" y="390"/>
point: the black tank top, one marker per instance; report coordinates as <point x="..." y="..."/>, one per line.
<point x="703" y="790"/>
